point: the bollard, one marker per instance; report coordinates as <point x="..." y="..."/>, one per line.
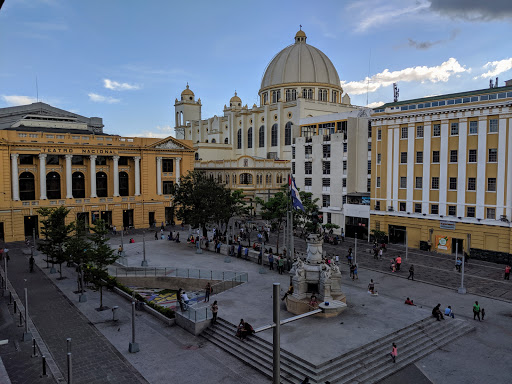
<point x="10" y="297"/>
<point x="15" y="307"/>
<point x="34" y="349"/>
<point x="70" y="370"/>
<point x="43" y="358"/>
<point x="114" y="308"/>
<point x="68" y="344"/>
<point x="21" y="321"/>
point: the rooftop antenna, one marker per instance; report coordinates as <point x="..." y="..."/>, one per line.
<point x="396" y="92"/>
<point x="368" y="83"/>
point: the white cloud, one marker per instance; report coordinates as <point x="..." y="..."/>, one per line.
<point x="102" y="99"/>
<point x="159" y="132"/>
<point x="116" y="86"/>
<point x="375" y="104"/>
<point x="434" y="74"/>
<point x="13" y="100"/>
<point x="496" y="67"/>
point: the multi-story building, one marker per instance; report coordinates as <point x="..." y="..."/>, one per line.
<point x="250" y="148"/>
<point x="51" y="157"/>
<point x="332" y="160"/>
<point x="442" y="171"/>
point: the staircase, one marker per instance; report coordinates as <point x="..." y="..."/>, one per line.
<point x="369" y="363"/>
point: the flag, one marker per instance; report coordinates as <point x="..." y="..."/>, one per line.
<point x="296" y="202"/>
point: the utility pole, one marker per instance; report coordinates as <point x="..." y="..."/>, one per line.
<point x="144" y="261"/>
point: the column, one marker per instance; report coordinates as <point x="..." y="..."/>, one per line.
<point x="42" y="176"/>
<point x="137" y="175"/>
<point x="425" y="195"/>
<point x="389" y="170"/>
<point x="116" y="175"/>
<point x="69" y="185"/>
<point x="396" y="167"/>
<point x="92" y="171"/>
<point x="443" y="166"/>
<point x="509" y="170"/>
<point x="481" y="186"/>
<point x="461" y="168"/>
<point x="500" y="180"/>
<point x="159" y="175"/>
<point x="15" y="180"/>
<point x="411" y="160"/>
<point x="178" y="159"/>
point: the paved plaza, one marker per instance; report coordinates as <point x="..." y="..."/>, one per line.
<point x="170" y="354"/>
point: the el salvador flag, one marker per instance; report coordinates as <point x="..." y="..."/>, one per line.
<point x="296" y="202"/>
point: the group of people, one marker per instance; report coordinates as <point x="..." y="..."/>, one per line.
<point x="279" y="260"/>
<point x="352" y="265"/>
<point x="396" y="264"/>
<point x="378" y="250"/>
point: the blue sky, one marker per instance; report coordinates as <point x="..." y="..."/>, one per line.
<point x="126" y="61"/>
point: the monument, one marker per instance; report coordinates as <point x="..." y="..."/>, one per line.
<point x="314" y="277"/>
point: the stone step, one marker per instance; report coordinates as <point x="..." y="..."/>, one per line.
<point x="379" y="362"/>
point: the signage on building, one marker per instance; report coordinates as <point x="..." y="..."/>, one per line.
<point x="83" y="151"/>
<point x="443" y="243"/>
<point x="447" y="225"/>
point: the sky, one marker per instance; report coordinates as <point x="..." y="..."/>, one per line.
<point x="127" y="61"/>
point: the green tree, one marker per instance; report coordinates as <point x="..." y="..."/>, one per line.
<point x="56" y="234"/>
<point x="78" y="248"/>
<point x="101" y="256"/>
<point x="303" y="219"/>
<point x="232" y="205"/>
<point x="274" y="210"/>
<point x="379" y="236"/>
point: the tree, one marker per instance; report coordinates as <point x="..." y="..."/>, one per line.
<point x="101" y="256"/>
<point x="379" y="236"/>
<point x="78" y="248"/>
<point x="232" y="205"/>
<point x="329" y="226"/>
<point x="201" y="201"/>
<point x="56" y="233"/>
<point x="274" y="210"/>
<point x="303" y="219"/>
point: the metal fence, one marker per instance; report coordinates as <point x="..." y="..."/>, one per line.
<point x="178" y="272"/>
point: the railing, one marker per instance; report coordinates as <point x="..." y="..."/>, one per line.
<point x="179" y="272"/>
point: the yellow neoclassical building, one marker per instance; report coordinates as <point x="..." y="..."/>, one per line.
<point x="442" y="171"/>
<point x="51" y="157"/>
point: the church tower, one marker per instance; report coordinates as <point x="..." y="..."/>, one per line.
<point x="186" y="110"/>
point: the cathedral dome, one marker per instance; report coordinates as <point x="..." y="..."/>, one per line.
<point x="300" y="63"/>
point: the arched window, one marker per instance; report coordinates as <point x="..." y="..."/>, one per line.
<point x="78" y="185"/>
<point x="219" y="178"/>
<point x="124" y="189"/>
<point x="307" y="93"/>
<point x="239" y="139"/>
<point x="53" y="186"/>
<point x="196" y="156"/>
<point x="273" y="136"/>
<point x="322" y="94"/>
<point x="249" y="138"/>
<point x="268" y="179"/>
<point x="227" y="178"/>
<point x="288" y="133"/>
<point x="262" y="137"/>
<point x="246" y="178"/>
<point x="234" y="178"/>
<point x="27" y="186"/>
<point x="214" y="141"/>
<point x="206" y="140"/>
<point x="226" y="141"/>
<point x="101" y="184"/>
<point x="291" y="94"/>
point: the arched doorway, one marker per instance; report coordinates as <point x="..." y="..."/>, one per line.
<point x="27" y="186"/>
<point x="124" y="189"/>
<point x="78" y="185"/>
<point x="53" y="186"/>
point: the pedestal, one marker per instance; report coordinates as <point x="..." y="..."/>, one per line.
<point x="133" y="348"/>
<point x="27" y="336"/>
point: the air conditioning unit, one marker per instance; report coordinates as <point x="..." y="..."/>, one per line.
<point x="390" y="208"/>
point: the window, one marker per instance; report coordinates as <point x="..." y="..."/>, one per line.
<point x="293" y="167"/>
<point x="273" y="136"/>
<point x="419" y="131"/>
<point x="470" y="212"/>
<point x="308" y="181"/>
<point x="378" y="181"/>
<point x="308" y="169"/>
<point x="454" y="129"/>
<point x="322" y="94"/>
<point x="453" y="156"/>
<point x="377" y="206"/>
<point x="473" y="128"/>
<point x="493" y="125"/>
<point x="101" y="184"/>
<point x="167" y="187"/>
<point x="493" y="155"/>
<point x="326" y="150"/>
<point x="334" y="97"/>
<point x="403" y="158"/>
<point x="403" y="182"/>
<point x="369" y="129"/>
<point x="276" y="95"/>
<point x="344" y="199"/>
<point x="291" y="94"/>
<point x="379" y="134"/>
<point x="453" y="183"/>
<point x="403" y="207"/>
<point x="436" y="131"/>
<point x="491" y="213"/>
<point x="326" y="182"/>
<point x="472" y="156"/>
<point x="326" y="167"/>
<point x="293" y="153"/>
<point x="435" y="156"/>
<point x="369" y="167"/>
<point x="262" y="137"/>
<point x="419" y="182"/>
<point x="226" y="141"/>
<point x="122" y="161"/>
<point x="452" y="210"/>
<point x="344" y="183"/>
<point x="78" y="185"/>
<point x="472" y="184"/>
<point x="123" y="184"/>
<point x="434" y="209"/>
<point x="368" y="185"/>
<point x="345" y="147"/>
<point x="52" y="160"/>
<point x="288" y="133"/>
<point x="265" y="98"/>
<point x="344" y="165"/>
<point x="419" y="157"/>
<point x="491" y="184"/>
<point x="307" y="93"/>
<point x="167" y="165"/>
<point x="246" y="178"/>
<point x="53" y="186"/>
<point x="26" y="159"/>
<point x="405" y="132"/>
<point x="417" y="207"/>
<point x="326" y="200"/>
<point x="379" y="157"/>
<point x="27" y="186"/>
<point x="249" y="138"/>
<point x="369" y="146"/>
<point x="308" y="150"/>
<point x="435" y="182"/>
<point x="239" y="139"/>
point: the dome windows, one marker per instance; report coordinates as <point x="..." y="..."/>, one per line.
<point x="322" y="94"/>
<point x="291" y="94"/>
<point x="276" y="95"/>
<point x="334" y="96"/>
<point x="308" y="93"/>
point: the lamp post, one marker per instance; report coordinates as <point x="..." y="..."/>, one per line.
<point x="462" y="289"/>
<point x="144" y="261"/>
<point x="133" y="346"/>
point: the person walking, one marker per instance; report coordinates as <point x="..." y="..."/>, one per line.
<point x="207" y="290"/>
<point x="381" y="252"/>
<point x="280" y="263"/>
<point x="215" y="309"/>
<point x="476" y="311"/>
<point x="239" y="253"/>
<point x="156" y="235"/>
<point x="394" y="353"/>
<point x="398" y="263"/>
<point x="342" y="236"/>
<point x="349" y="256"/>
<point x="180" y="300"/>
<point x="458" y="264"/>
<point x="411" y="273"/>
<point x="352" y="267"/>
<point x="271" y="261"/>
<point x="31" y="263"/>
<point x="260" y="256"/>
<point x="507" y="272"/>
<point x="6" y="255"/>
<point x="354" y="274"/>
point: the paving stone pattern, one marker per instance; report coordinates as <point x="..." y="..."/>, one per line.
<point x="95" y="360"/>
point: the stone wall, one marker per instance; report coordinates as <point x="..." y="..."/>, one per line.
<point x="492" y="256"/>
